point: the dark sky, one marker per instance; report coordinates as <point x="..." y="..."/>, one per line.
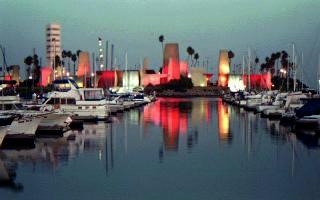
<point x="265" y="26"/>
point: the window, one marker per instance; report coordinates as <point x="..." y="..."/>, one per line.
<point x="93" y="95"/>
<point x="56" y="101"/>
<point x="63" y="101"/>
<point x="71" y="101"/>
<point x="51" y="101"/>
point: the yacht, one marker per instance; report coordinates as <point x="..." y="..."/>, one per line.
<point x="80" y="103"/>
<point x="292" y="102"/>
<point x="277" y="103"/>
<point x="20" y="133"/>
<point x="11" y="105"/>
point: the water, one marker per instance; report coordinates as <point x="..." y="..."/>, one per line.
<point x="195" y="148"/>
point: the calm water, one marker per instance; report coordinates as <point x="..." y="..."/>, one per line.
<point x="171" y="149"/>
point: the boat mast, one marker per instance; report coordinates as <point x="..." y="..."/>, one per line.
<point x="294" y="68"/>
<point x="126" y="69"/>
<point x="249" y="69"/>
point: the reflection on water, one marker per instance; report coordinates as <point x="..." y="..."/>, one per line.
<point x="201" y="143"/>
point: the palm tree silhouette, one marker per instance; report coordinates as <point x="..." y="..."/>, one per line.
<point x="28" y="61"/>
<point x="74" y="59"/>
<point x="69" y="55"/>
<point x="230" y="56"/>
<point x="161" y="40"/>
<point x="196" y="57"/>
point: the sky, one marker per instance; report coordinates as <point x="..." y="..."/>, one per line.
<point x="134" y="26"/>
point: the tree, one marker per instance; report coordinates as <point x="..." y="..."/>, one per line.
<point x="196" y="57"/>
<point x="69" y="55"/>
<point x="161" y="40"/>
<point x="230" y="56"/>
<point x="74" y="59"/>
<point x="190" y="52"/>
<point x="36" y="70"/>
<point x="28" y="61"/>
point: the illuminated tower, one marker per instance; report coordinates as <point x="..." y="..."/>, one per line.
<point x="171" y="61"/>
<point x="53" y="44"/>
<point x="224" y="68"/>
<point x="100" y="57"/>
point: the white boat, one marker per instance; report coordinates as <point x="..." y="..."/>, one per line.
<point x="80" y="103"/>
<point x="11" y="105"/>
<point x="292" y="102"/>
<point x="252" y="101"/>
<point x="277" y="103"/>
<point x="20" y="133"/>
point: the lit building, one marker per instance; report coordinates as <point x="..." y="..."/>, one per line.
<point x="83" y="72"/>
<point x="53" y="42"/>
<point x="131" y="79"/>
<point x="15" y="73"/>
<point x="224" y="68"/>
<point x="171" y="61"/>
<point x="183" y="68"/>
<point x="46" y="75"/>
<point x="198" y="76"/>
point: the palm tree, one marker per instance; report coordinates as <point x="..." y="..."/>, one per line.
<point x="74" y="59"/>
<point x="189" y="52"/>
<point x="161" y="40"/>
<point x="69" y="55"/>
<point x="28" y="61"/>
<point x="196" y="57"/>
<point x="230" y="56"/>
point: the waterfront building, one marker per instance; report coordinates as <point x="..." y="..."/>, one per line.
<point x="171" y="61"/>
<point x="46" y="75"/>
<point x="53" y="42"/>
<point x="224" y="68"/>
<point x="83" y="72"/>
<point x="15" y="73"/>
<point x="198" y="76"/>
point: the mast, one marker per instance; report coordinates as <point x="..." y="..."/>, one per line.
<point x="301" y="71"/>
<point x="294" y="68"/>
<point x="126" y="70"/>
<point x="249" y="68"/>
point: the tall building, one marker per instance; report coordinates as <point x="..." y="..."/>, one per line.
<point x="171" y="61"/>
<point x="53" y="43"/>
<point x="224" y="68"/>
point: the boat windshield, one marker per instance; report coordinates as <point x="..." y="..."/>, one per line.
<point x="91" y="95"/>
<point x="64" y="85"/>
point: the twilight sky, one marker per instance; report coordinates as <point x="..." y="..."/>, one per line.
<point x="134" y="26"/>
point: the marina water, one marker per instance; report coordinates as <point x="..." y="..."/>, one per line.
<point x="195" y="148"/>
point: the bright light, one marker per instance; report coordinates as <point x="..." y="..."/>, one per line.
<point x="100" y="43"/>
<point x="101" y="56"/>
<point x="101" y="66"/>
<point x="68" y="74"/>
<point x="202" y="85"/>
<point x="92" y="74"/>
<point x="30" y="77"/>
<point x="272" y="85"/>
<point x="283" y="71"/>
<point x="189" y="75"/>
<point x="100" y="50"/>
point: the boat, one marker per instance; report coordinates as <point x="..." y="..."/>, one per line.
<point x="12" y="106"/>
<point x="20" y="133"/>
<point x="80" y="103"/>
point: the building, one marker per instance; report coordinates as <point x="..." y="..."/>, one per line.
<point x="171" y="61"/>
<point x="224" y="68"/>
<point x="53" y="42"/>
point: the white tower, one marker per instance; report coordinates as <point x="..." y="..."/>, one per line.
<point x="53" y="44"/>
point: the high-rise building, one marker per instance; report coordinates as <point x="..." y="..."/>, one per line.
<point x="53" y="43"/>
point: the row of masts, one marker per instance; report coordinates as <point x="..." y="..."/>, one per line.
<point x="247" y="61"/>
